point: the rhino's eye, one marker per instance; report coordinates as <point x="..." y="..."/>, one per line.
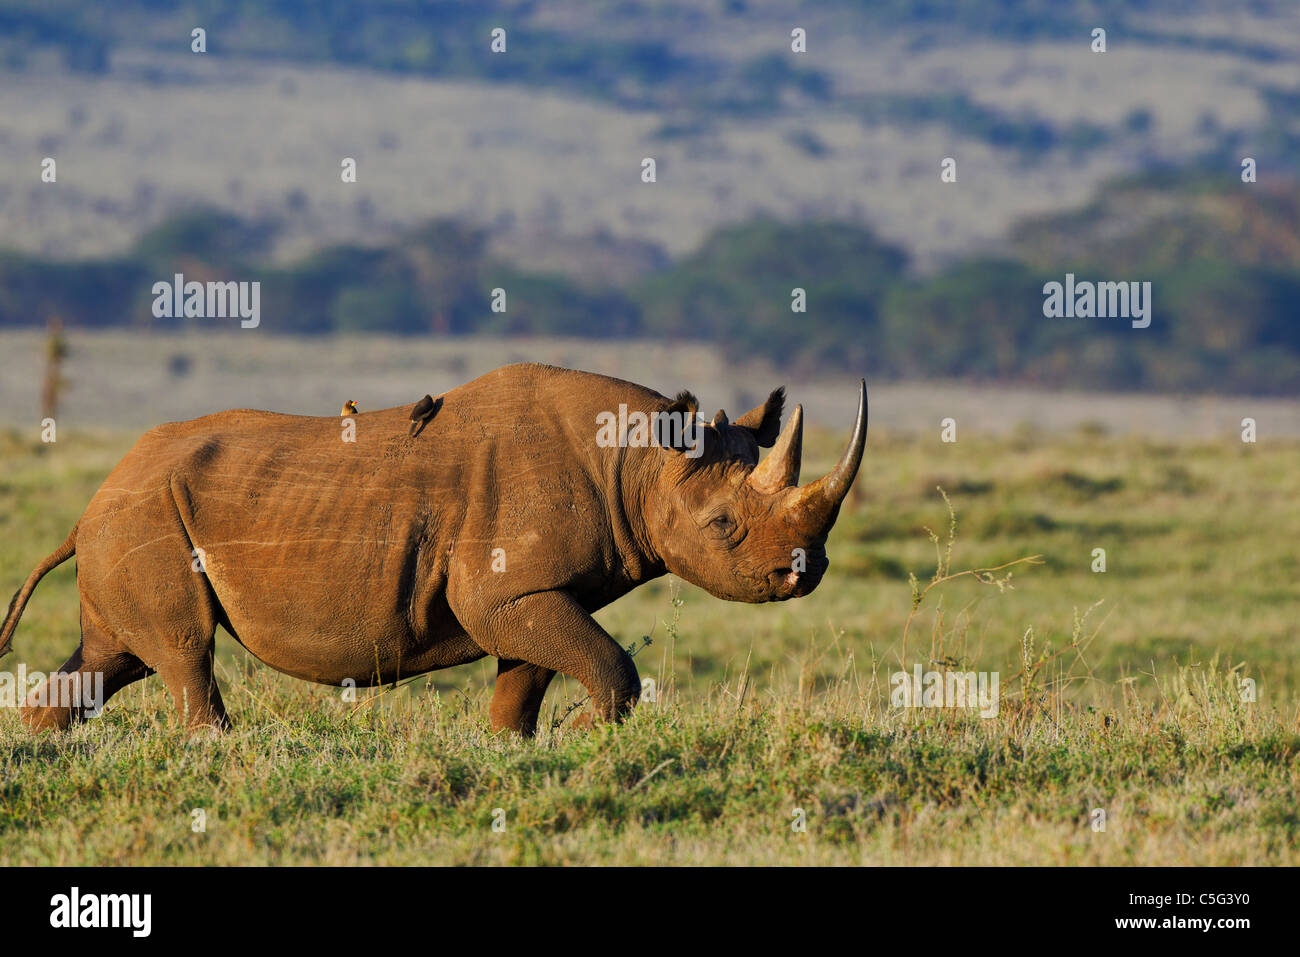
<point x="721" y="525"/>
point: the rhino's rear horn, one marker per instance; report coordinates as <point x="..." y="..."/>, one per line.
<point x="781" y="467"/>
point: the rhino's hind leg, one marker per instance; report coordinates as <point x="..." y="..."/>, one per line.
<point x="149" y="587"/>
<point x="554" y="633"/>
<point x="188" y="676"/>
<point x="517" y="700"/>
<point x="98" y="669"/>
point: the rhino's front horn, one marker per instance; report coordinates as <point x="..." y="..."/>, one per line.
<point x="821" y="499"/>
<point x="781" y="467"/>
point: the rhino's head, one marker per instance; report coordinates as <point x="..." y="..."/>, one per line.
<point x="744" y="530"/>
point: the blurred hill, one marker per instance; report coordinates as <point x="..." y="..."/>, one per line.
<point x="776" y="170"/>
<point x="541" y="145"/>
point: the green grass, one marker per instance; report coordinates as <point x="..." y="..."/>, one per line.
<point x="1119" y="692"/>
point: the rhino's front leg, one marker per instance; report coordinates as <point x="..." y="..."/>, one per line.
<point x="552" y="631"/>
<point x="517" y="700"/>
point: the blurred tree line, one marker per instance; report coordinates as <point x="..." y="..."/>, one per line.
<point x="1224" y="264"/>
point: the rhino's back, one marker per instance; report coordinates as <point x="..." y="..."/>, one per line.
<point x="519" y="428"/>
<point x="522" y="407"/>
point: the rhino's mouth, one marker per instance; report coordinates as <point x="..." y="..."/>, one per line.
<point x="788" y="583"/>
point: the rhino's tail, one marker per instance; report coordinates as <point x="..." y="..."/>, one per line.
<point x="19" y="601"/>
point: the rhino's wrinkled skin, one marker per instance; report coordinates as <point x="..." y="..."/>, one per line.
<point x="487" y="521"/>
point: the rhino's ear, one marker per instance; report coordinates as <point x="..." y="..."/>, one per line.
<point x="677" y="426"/>
<point x="765" y="420"/>
<point x="685" y="404"/>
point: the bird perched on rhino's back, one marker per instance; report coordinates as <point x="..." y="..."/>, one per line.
<point x="491" y="520"/>
<point x="349" y="407"/>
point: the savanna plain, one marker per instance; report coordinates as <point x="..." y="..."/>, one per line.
<point x="772" y="738"/>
